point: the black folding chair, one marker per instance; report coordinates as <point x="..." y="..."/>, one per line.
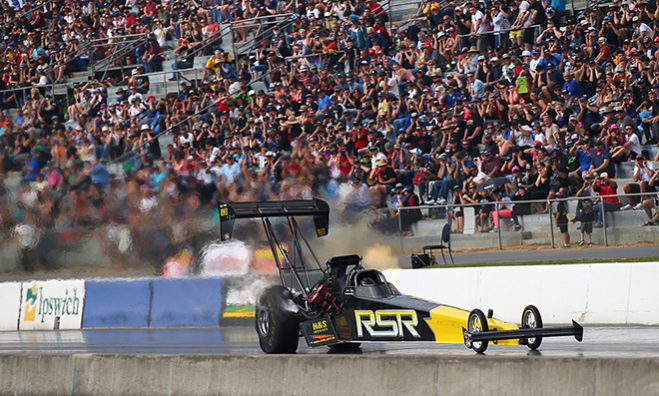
<point x="446" y="244"/>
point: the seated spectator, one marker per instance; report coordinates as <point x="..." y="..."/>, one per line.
<point x="605" y="187"/>
<point x="631" y="148"/>
<point x="643" y="172"/>
<point x="652" y="202"/>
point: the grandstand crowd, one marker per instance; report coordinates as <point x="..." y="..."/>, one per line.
<point x="335" y="101"/>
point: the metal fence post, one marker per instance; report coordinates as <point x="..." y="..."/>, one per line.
<point x="496" y="207"/>
<point x="606" y="236"/>
<point x="551" y="224"/>
<point x="400" y="230"/>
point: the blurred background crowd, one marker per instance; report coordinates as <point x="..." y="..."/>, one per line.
<point x="526" y="98"/>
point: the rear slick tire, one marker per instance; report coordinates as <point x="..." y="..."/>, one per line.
<point x="275" y="322"/>
<point x="476" y="323"/>
<point x="531" y="319"/>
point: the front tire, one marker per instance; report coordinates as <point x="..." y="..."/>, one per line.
<point x="531" y="319"/>
<point x="275" y="321"/>
<point x="477" y="322"/>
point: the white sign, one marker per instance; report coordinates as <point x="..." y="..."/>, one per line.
<point x="52" y="304"/>
<point x="10" y="295"/>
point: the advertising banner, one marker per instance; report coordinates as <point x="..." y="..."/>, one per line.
<point x="10" y="295"/>
<point x="52" y="304"/>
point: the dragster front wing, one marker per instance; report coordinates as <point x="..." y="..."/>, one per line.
<point x="576" y="330"/>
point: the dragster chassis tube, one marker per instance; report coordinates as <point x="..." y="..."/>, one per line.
<point x="576" y="330"/>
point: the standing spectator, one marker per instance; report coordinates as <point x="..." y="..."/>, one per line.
<point x="184" y="58"/>
<point x="586" y="211"/>
<point x="561" y="216"/>
<point x="409" y="217"/>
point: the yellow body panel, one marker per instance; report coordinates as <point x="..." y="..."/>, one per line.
<point x="447" y="323"/>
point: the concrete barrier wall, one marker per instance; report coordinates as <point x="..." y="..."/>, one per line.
<point x="75" y="304"/>
<point x="117" y="303"/>
<point x="10" y="296"/>
<point x="186" y="302"/>
<point x="612" y="293"/>
<point x="320" y="375"/>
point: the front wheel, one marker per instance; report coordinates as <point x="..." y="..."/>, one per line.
<point x="275" y="322"/>
<point x="531" y="319"/>
<point x="477" y="323"/>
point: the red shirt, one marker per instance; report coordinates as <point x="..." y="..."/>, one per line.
<point x="361" y="137"/>
<point x="607" y="189"/>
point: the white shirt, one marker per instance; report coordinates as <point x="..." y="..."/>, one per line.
<point x="392" y="84"/>
<point x="522" y="140"/>
<point x="475" y="18"/>
<point x="131" y="98"/>
<point x="134" y="110"/>
<point x="644" y="30"/>
<point x="234" y="88"/>
<point x="524" y="6"/>
<point x="644" y="175"/>
<point x="188" y="138"/>
<point x="636" y="145"/>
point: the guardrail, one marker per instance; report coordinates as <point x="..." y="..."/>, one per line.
<point x="499" y="31"/>
<point x="498" y="204"/>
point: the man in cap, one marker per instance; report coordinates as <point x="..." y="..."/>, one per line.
<point x="644" y="172"/>
<point x="409" y="217"/>
<point x="184" y="57"/>
<point x="605" y="186"/>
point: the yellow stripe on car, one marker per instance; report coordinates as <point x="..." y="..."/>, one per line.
<point x="447" y="323"/>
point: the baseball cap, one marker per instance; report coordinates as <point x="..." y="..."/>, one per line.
<point x="604" y="175"/>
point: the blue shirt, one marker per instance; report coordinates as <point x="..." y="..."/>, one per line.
<point x="558" y="4"/>
<point x="34" y="167"/>
<point x="478" y="87"/>
<point x="324" y="104"/>
<point x="100" y="175"/>
<point x="573" y="88"/>
<point x="584" y="160"/>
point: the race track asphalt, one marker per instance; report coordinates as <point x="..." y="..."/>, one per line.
<point x="573" y="253"/>
<point x="628" y="341"/>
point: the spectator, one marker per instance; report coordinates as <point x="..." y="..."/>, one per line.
<point x="560" y="216"/>
<point x="585" y="211"/>
<point x="643" y="173"/>
<point x="652" y="202"/>
<point x="606" y="188"/>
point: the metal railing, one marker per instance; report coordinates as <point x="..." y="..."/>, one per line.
<point x="161" y="134"/>
<point x="208" y="41"/>
<point x="283" y="21"/>
<point x="499" y="31"/>
<point x="498" y="204"/>
<point x="31" y="10"/>
<point x="129" y="46"/>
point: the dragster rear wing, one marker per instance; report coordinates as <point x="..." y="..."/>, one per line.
<point x="229" y="211"/>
